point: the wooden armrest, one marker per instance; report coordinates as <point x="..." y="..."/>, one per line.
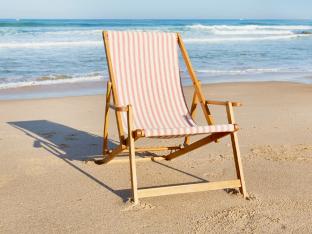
<point x="119" y="108"/>
<point x="222" y="103"/>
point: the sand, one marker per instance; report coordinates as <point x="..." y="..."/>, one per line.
<point x="47" y="187"/>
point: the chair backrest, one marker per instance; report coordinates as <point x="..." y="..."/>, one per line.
<point x="146" y="74"/>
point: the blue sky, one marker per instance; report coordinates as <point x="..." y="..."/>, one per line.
<point x="159" y="9"/>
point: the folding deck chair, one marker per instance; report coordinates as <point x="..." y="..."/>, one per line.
<point x="149" y="102"/>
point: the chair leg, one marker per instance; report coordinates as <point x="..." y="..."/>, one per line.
<point x="238" y="164"/>
<point x="134" y="181"/>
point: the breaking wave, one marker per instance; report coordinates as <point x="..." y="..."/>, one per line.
<point x="51" y="80"/>
<point x="50" y="44"/>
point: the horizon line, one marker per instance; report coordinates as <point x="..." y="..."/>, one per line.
<point x="57" y="18"/>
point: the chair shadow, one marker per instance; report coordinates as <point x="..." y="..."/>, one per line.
<point x="64" y="142"/>
<point x="70" y="144"/>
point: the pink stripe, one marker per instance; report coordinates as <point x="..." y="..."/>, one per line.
<point x="138" y="105"/>
<point x="123" y="81"/>
<point x="175" y="107"/>
<point x="149" y="78"/>
<point x="113" y="41"/>
<point x="163" y="106"/>
<point x="177" y="85"/>
<point x="168" y="87"/>
<point x="131" y="78"/>
<point x="156" y="82"/>
<point x="144" y="79"/>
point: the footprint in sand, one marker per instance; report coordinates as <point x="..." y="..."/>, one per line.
<point x="141" y="206"/>
<point x="252" y="197"/>
<point x="232" y="191"/>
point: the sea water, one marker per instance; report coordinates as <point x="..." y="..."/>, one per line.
<point x="45" y="52"/>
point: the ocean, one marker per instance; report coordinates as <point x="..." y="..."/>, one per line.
<point x="45" y="52"/>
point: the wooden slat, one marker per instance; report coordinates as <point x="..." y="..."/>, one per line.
<point x="188" y="188"/>
<point x="137" y="159"/>
<point x="192" y="112"/>
<point x="106" y="117"/>
<point x="145" y="149"/>
<point x="155" y="149"/>
<point x="196" y="83"/>
<point x="196" y="145"/>
<point x="112" y="79"/>
<point x="222" y="103"/>
<point x="119" y="108"/>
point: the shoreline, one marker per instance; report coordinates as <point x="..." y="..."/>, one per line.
<point x="93" y="88"/>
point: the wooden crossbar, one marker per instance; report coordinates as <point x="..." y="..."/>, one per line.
<point x="154" y="149"/>
<point x="110" y="155"/>
<point x="196" y="145"/>
<point x="143" y="149"/>
<point x="137" y="159"/>
<point x="114" y="153"/>
<point x="188" y="188"/>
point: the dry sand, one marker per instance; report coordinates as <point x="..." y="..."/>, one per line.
<point x="45" y="186"/>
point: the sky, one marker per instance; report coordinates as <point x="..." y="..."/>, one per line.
<point x="157" y="9"/>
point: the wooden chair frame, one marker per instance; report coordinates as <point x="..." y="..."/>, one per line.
<point x="127" y="144"/>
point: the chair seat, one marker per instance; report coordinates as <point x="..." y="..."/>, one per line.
<point x="193" y="130"/>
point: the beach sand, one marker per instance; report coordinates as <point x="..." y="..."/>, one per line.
<point x="47" y="187"/>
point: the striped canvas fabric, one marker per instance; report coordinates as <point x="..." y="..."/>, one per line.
<point x="146" y="69"/>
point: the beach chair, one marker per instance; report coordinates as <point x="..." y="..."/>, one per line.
<point x="148" y="100"/>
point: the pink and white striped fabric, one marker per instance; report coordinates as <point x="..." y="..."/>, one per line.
<point x="146" y="69"/>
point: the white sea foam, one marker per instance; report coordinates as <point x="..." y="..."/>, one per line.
<point x="242" y="71"/>
<point x="49" y="44"/>
<point x="230" y="33"/>
<point x="251" y="30"/>
<point x="234" y="39"/>
<point x="248" y="27"/>
<point x="76" y="32"/>
<point x="187" y="40"/>
<point x="51" y="81"/>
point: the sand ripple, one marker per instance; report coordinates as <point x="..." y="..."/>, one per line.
<point x="283" y="153"/>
